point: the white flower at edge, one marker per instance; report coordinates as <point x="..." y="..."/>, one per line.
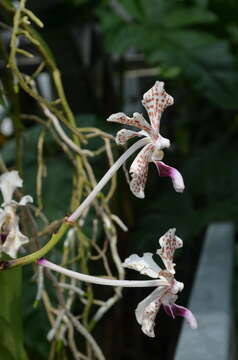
<point x="165" y="295"/>
<point x="155" y="101"/>
<point x="10" y="235"/>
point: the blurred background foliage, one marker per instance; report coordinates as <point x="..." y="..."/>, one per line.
<point x="110" y="53"/>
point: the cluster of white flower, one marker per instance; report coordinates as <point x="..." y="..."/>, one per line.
<point x="10" y="235"/>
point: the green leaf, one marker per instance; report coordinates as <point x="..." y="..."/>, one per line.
<point x="203" y="59"/>
<point x="5" y="354"/>
<point x="201" y="3"/>
<point x="11" y="338"/>
<point x="168" y="36"/>
<point x="7" y="343"/>
<point x="134" y="8"/>
<point x="187" y="17"/>
<point x="128" y="36"/>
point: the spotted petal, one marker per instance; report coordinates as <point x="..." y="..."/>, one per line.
<point x="147" y="310"/>
<point x="137" y="120"/>
<point x="144" y="264"/>
<point x="124" y="135"/>
<point x="177" y="310"/>
<point x="169" y="242"/>
<point x="139" y="171"/>
<point x="174" y="174"/>
<point x="155" y="101"/>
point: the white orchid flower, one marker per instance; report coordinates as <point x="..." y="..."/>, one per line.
<point x="164" y="295"/>
<point x="152" y="143"/>
<point x="10" y="235"/>
<point x="155" y="102"/>
<point x="167" y="287"/>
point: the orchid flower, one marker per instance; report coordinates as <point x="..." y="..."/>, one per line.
<point x="155" y="101"/>
<point x="152" y="143"/>
<point x="11" y="237"/>
<point x="167" y="287"/>
<point x="163" y="295"/>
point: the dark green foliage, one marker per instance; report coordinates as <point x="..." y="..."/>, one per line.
<point x="173" y="34"/>
<point x="11" y="335"/>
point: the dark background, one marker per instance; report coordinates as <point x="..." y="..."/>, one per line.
<point x="109" y="54"/>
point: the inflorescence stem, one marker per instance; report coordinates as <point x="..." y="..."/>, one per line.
<point x="74" y="216"/>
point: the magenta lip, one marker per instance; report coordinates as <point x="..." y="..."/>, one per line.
<point x="40" y="261"/>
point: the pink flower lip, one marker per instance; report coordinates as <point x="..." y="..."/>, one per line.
<point x="175" y="310"/>
<point x="174" y="174"/>
<point x="40" y="261"/>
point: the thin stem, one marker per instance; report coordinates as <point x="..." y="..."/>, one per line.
<point x="5" y="265"/>
<point x="103" y="309"/>
<point x="63" y="135"/>
<point x="73" y="217"/>
<point x="13" y="96"/>
<point x="56" y="237"/>
<point x="101" y="281"/>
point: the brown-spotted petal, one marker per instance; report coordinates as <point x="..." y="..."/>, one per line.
<point x="155" y="102"/>
<point x="139" y="171"/>
<point x="169" y="242"/>
<point x="124" y="135"/>
<point x="137" y="120"/>
<point x="147" y="310"/>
